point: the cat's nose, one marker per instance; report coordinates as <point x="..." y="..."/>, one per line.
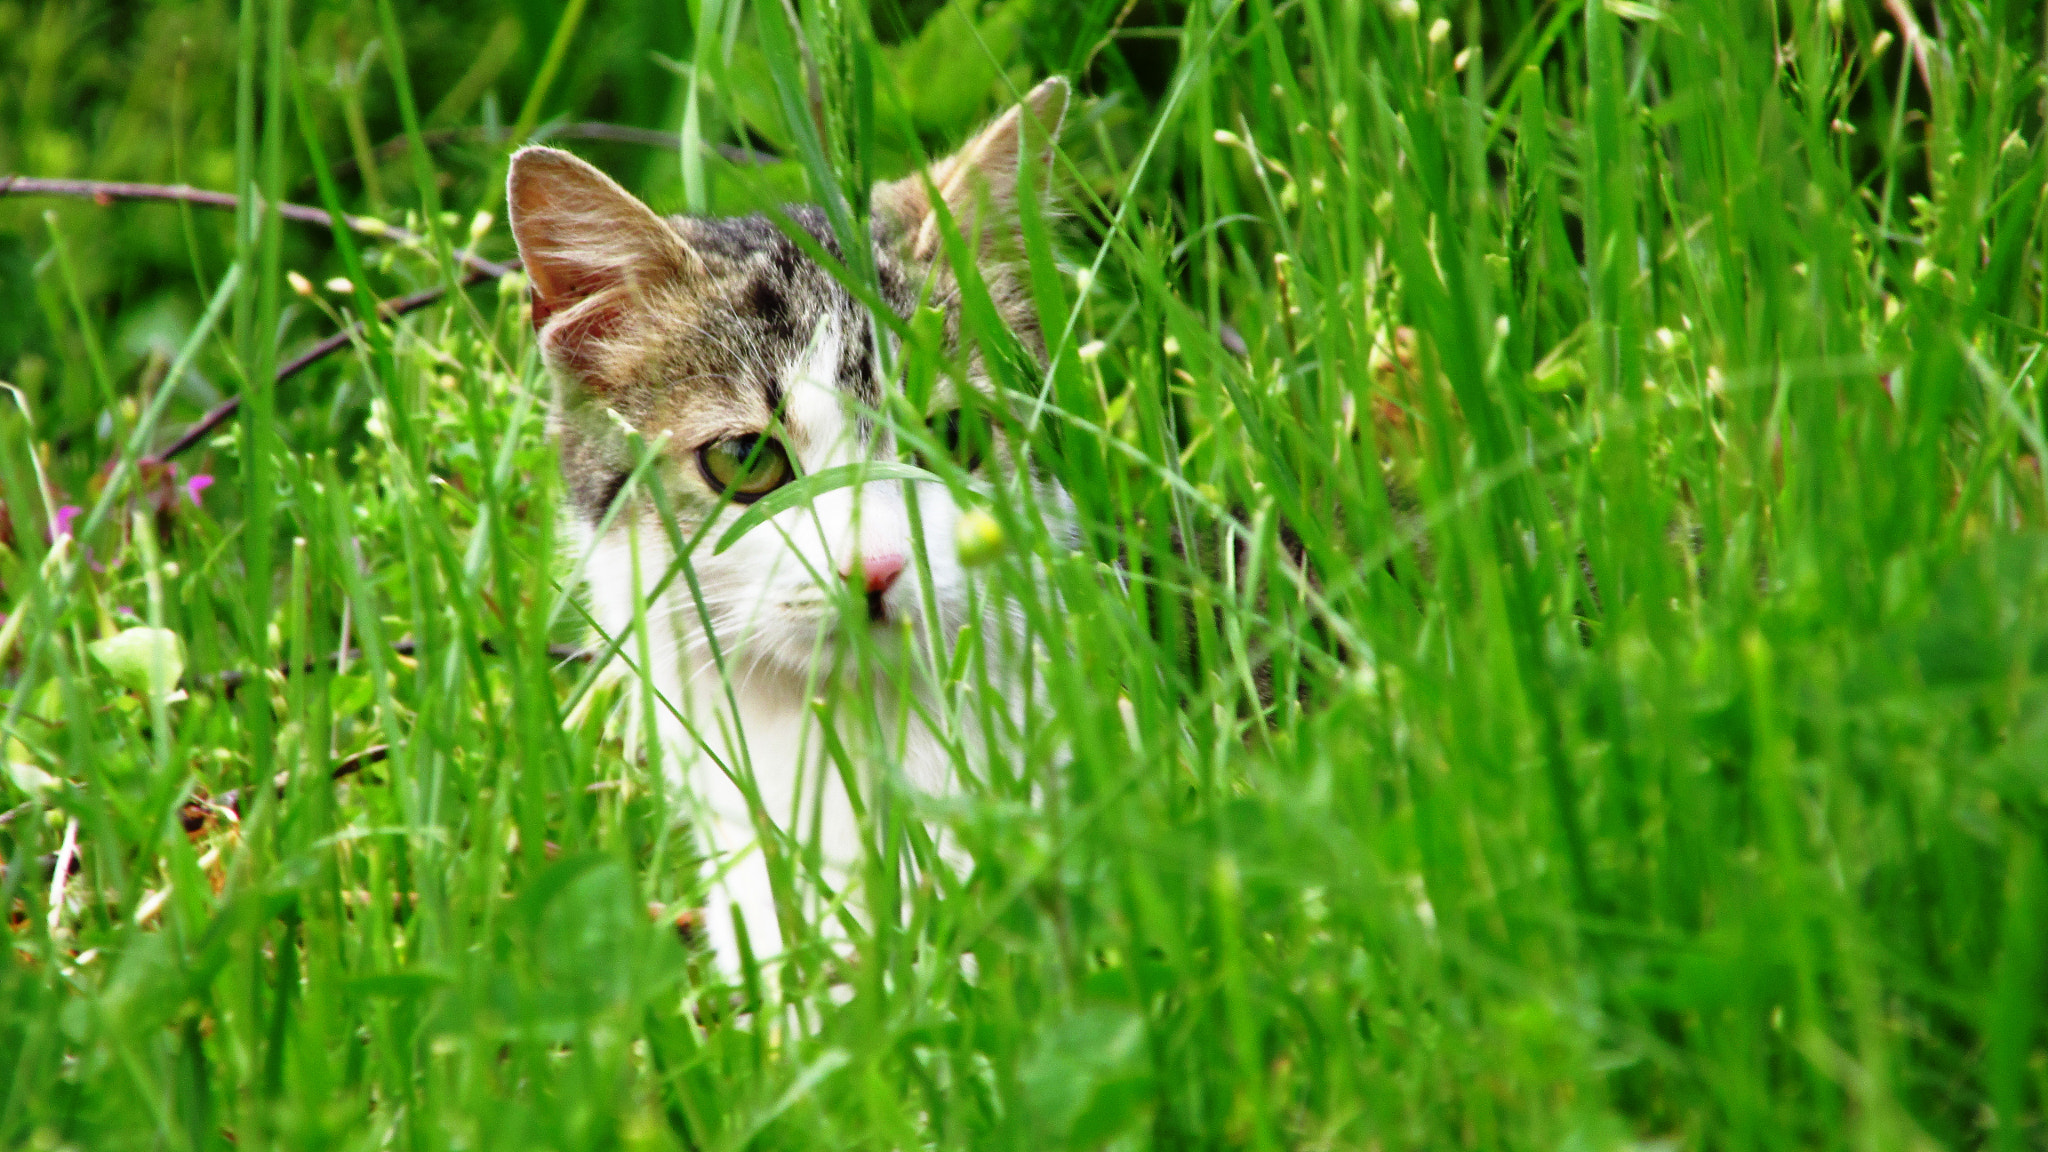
<point x="877" y="573"/>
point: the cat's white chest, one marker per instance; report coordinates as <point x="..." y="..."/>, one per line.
<point x="745" y="756"/>
<point x="770" y="757"/>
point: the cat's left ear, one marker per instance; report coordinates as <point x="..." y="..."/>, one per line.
<point x="592" y="253"/>
<point x="979" y="183"/>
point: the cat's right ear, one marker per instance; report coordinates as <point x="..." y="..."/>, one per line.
<point x="978" y="184"/>
<point x="591" y="251"/>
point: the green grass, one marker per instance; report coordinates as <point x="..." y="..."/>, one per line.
<point x="1658" y="760"/>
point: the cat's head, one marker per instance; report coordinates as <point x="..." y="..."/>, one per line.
<point x="751" y="366"/>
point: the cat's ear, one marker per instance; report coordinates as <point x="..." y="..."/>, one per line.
<point x="591" y="251"/>
<point x="979" y="183"/>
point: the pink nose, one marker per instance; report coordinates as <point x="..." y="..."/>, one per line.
<point x="877" y="572"/>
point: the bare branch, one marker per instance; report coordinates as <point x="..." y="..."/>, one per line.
<point x="107" y="191"/>
<point x="193" y="815"/>
<point x="1915" y="37"/>
<point x="583" y="130"/>
<point x="203" y="427"/>
<point x="231" y="681"/>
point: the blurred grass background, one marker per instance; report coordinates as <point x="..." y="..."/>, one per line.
<point x="1660" y="759"/>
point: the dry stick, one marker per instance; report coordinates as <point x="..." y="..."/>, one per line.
<point x="1916" y="39"/>
<point x="203" y="427"/>
<point x="608" y="133"/>
<point x="230" y="682"/>
<point x="193" y="813"/>
<point x="105" y="191"/>
<point x="102" y="191"/>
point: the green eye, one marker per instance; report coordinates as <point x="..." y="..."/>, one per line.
<point x="964" y="437"/>
<point x="748" y="467"/>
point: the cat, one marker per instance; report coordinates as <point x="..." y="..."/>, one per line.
<point x="748" y="365"/>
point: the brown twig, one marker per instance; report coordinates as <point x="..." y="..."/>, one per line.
<point x="650" y="138"/>
<point x="106" y="191"/>
<point x="203" y="427"/>
<point x="231" y="681"/>
<point x="1108" y="35"/>
<point x="608" y="133"/>
<point x="193" y="815"/>
<point x="1915" y="37"/>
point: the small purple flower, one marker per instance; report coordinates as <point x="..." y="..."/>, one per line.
<point x="195" y="484"/>
<point x="65" y="515"/>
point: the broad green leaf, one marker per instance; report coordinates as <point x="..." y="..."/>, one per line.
<point x="145" y="660"/>
<point x="751" y="93"/>
<point x="955" y="61"/>
<point x="1087" y="1077"/>
<point x="28" y="777"/>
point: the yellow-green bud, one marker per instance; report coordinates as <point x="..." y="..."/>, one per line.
<point x="978" y="538"/>
<point x="2012" y="156"/>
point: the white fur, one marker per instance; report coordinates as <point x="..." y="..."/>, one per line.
<point x="777" y="607"/>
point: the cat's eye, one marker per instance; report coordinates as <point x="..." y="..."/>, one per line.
<point x="965" y="437"/>
<point x="746" y="467"/>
